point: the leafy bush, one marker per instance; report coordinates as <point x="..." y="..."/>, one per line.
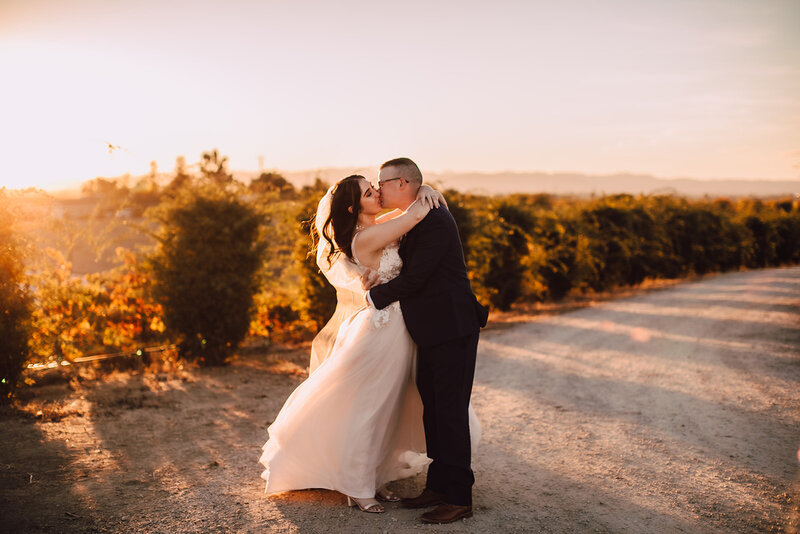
<point x="112" y="311"/>
<point x="15" y="305"/>
<point x="560" y="251"/>
<point x="624" y="241"/>
<point x="68" y="312"/>
<point x="787" y="231"/>
<point x="508" y="252"/>
<point x="205" y="270"/>
<point x="599" y="244"/>
<point x="459" y="208"/>
<point x="281" y="302"/>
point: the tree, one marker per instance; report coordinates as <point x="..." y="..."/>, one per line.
<point x="110" y="194"/>
<point x="205" y="271"/>
<point x="623" y="238"/>
<point x="273" y="182"/>
<point x="763" y="241"/>
<point x="499" y="251"/>
<point x="280" y="301"/>
<point x="787" y="228"/>
<point x="214" y="168"/>
<point x="181" y="179"/>
<point x="556" y="241"/>
<point x="318" y="188"/>
<point x="15" y="304"/>
<point x="104" y="189"/>
<point x="702" y="240"/>
<point x="457" y="203"/>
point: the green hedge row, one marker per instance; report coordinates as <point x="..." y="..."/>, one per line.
<point x="537" y="247"/>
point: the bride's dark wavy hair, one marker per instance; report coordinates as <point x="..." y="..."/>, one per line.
<point x="340" y="226"/>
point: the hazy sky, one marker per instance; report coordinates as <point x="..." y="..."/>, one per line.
<point x="694" y="88"/>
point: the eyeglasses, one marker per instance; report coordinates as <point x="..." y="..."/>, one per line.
<point x="379" y="183"/>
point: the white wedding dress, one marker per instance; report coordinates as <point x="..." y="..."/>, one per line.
<point x="356" y="422"/>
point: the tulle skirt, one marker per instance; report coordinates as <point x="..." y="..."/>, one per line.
<point x="356" y="422"/>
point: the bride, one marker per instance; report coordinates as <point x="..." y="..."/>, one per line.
<point x="356" y="423"/>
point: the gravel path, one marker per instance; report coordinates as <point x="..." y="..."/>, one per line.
<point x="675" y="410"/>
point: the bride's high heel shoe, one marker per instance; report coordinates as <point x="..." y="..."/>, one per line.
<point x="366" y="505"/>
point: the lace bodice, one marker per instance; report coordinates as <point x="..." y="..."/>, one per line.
<point x="388" y="268"/>
<point x="390" y="263"/>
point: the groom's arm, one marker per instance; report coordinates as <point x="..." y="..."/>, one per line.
<point x="430" y="248"/>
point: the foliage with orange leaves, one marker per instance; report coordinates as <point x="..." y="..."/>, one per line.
<point x="104" y="312"/>
<point x="15" y="303"/>
<point x="517" y="247"/>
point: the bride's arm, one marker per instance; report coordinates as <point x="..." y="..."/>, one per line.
<point x="426" y="194"/>
<point x="372" y="239"/>
<point x="388" y="216"/>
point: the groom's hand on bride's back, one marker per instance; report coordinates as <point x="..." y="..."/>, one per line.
<point x="369" y="279"/>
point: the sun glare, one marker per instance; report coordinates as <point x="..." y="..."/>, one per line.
<point x="599" y="96"/>
<point x="70" y="118"/>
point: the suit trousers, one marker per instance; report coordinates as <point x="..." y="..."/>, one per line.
<point x="444" y="380"/>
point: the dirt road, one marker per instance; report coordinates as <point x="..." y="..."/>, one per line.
<point x="676" y="410"/>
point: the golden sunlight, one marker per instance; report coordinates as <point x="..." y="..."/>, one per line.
<point x="80" y="131"/>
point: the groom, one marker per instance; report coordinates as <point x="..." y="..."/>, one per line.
<point x="444" y="319"/>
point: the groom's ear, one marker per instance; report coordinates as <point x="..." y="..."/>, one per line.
<point x="350" y="209"/>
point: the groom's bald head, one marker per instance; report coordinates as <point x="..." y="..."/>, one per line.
<point x="406" y="168"/>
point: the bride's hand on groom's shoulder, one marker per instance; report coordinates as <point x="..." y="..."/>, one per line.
<point x="430" y="197"/>
<point x="369" y="279"/>
<point x="418" y="209"/>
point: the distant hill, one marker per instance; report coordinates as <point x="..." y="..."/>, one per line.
<point x="569" y="183"/>
<point x="582" y="184"/>
<point x="541" y="182"/>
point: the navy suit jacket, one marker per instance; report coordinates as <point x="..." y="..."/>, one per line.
<point x="433" y="288"/>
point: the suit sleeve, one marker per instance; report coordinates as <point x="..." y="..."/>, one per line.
<point x="431" y="247"/>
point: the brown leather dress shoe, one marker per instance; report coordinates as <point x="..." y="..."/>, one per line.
<point x="427" y="498"/>
<point x="447" y="513"/>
